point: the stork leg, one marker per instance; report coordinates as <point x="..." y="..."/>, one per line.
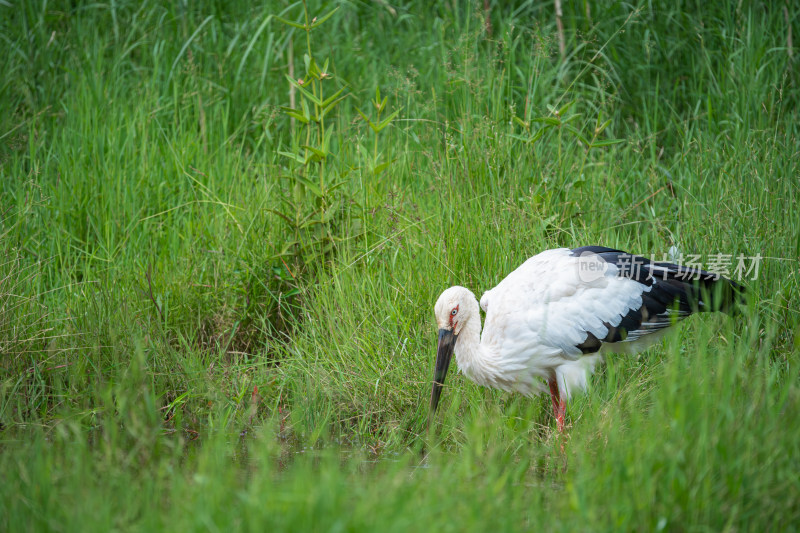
<point x="559" y="405"/>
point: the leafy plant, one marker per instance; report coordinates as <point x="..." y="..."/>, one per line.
<point x="316" y="206"/>
<point x="559" y="119"/>
<point x="376" y="167"/>
<point x="311" y="205"/>
<point x="562" y="121"/>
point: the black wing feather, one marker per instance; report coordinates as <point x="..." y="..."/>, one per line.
<point x="673" y="293"/>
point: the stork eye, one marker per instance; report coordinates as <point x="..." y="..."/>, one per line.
<point x="454" y="311"/>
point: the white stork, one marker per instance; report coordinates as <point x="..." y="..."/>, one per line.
<point x="555" y="315"/>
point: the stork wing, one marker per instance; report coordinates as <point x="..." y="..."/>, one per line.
<point x="571" y="302"/>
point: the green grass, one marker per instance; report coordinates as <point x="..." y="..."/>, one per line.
<point x="168" y="359"/>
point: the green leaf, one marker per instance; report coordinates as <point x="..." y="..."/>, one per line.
<point x="336" y="185"/>
<point x="307" y="224"/>
<point x="564" y="108"/>
<point x="287" y="246"/>
<point x="601" y="128"/>
<point x="383" y="166"/>
<point x="521" y="122"/>
<point x="299" y="117"/>
<point x="293" y="292"/>
<point x="322" y="154"/>
<point x="305" y="93"/>
<point x="517" y="137"/>
<point x="284" y="217"/>
<point x="323" y="18"/>
<point x="538" y="135"/>
<point x="576" y="133"/>
<point x="371" y="124"/>
<point x="607" y="142"/>
<point x="292" y="155"/>
<point x="385" y="122"/>
<point x="313" y="69"/>
<point x="294" y="113"/>
<point x="290" y="23"/>
<point x="533" y="138"/>
<point x="548" y="120"/>
<point x="331" y="98"/>
<point x="313" y="187"/>
<point x="326" y="139"/>
<point x="332" y="104"/>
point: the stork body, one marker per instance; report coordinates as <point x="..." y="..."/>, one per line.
<point x="549" y="322"/>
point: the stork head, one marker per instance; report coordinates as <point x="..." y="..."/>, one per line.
<point x="453" y="310"/>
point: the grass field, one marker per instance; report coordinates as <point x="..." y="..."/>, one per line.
<point x="217" y="314"/>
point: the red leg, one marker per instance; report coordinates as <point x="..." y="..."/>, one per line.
<point x="559" y="405"/>
<point x="562" y="410"/>
<point x="554" y="396"/>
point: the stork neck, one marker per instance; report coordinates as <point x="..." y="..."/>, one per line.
<point x="469" y="338"/>
<point x="476" y="360"/>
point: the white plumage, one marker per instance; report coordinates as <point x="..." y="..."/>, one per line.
<point x="553" y="317"/>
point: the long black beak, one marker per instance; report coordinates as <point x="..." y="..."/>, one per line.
<point x="447" y="343"/>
